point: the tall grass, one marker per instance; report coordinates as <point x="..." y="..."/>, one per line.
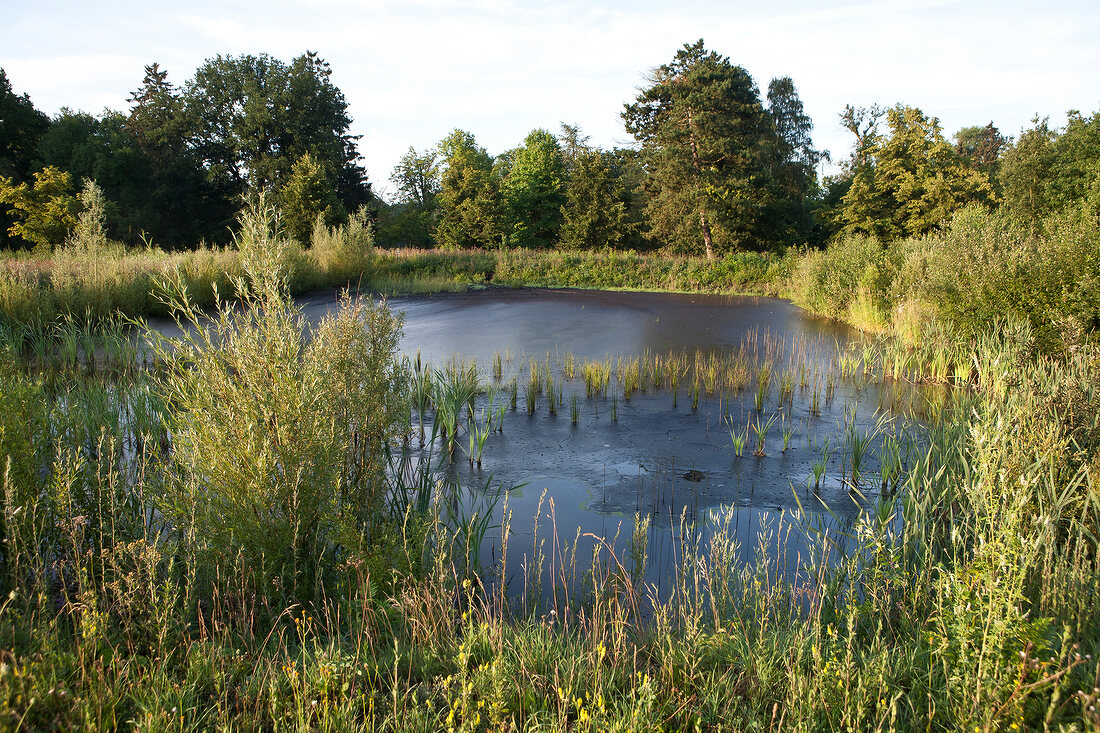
<point x="980" y="266"/>
<point x="220" y="542"/>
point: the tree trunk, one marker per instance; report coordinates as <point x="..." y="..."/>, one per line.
<point x="698" y="174"/>
<point x="706" y="232"/>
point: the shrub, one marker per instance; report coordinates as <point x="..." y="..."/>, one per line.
<point x="276" y="435"/>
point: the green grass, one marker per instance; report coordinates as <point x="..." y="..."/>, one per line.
<point x="216" y="542"/>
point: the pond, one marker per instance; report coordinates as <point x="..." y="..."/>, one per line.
<point x="684" y="377"/>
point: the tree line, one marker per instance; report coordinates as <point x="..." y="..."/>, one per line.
<point x="717" y="167"/>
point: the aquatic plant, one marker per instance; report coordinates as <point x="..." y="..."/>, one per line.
<point x="738" y="439"/>
<point x="819" y="465"/>
<point x="530" y="393"/>
<point x="421" y="390"/>
<point x="569" y="366"/>
<point x="479" y="432"/>
<point x="760" y="396"/>
<point x="760" y="428"/>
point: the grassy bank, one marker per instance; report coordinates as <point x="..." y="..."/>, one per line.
<point x="98" y="283"/>
<point x="954" y="283"/>
<point x="223" y="540"/>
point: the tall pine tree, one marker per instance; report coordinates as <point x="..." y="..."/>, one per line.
<point x="706" y="140"/>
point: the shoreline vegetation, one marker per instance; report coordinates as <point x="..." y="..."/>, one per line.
<point x="96" y="285"/>
<point x="358" y="605"/>
<point x="228" y="528"/>
<point x="946" y="285"/>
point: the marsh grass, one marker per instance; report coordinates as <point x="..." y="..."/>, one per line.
<point x="980" y="599"/>
<point x="964" y="600"/>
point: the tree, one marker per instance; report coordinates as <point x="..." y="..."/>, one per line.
<point x="980" y="147"/>
<point x="252" y="117"/>
<point x="1077" y="170"/>
<point x="573" y="145"/>
<point x="469" y="214"/>
<point x="594" y="213"/>
<point x="416" y="176"/>
<point x="908" y="182"/>
<point x="156" y="118"/>
<point x="862" y="122"/>
<point x="308" y="195"/>
<point x="45" y="212"/>
<point x="794" y="164"/>
<point x="180" y="204"/>
<point x="21" y="127"/>
<point x="704" y="137"/>
<point x="534" y="193"/>
<point x="411" y="220"/>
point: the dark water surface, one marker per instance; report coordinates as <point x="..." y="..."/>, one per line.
<point x="642" y="456"/>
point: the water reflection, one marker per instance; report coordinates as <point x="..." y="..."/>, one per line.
<point x="590" y="465"/>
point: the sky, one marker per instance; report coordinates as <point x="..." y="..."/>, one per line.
<point x="413" y="70"/>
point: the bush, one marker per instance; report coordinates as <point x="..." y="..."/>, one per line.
<point x="277" y="433"/>
<point x="850" y="280"/>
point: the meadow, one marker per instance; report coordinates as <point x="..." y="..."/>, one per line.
<point x="234" y="527"/>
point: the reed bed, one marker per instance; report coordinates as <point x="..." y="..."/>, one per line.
<point x="238" y="537"/>
<point x="974" y="610"/>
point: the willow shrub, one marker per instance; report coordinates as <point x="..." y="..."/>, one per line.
<point x="346" y="252"/>
<point x="850" y="281"/>
<point x="277" y="430"/>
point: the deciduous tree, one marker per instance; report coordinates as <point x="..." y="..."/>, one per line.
<point x="252" y="117"/>
<point x="45" y="211"/>
<point x="908" y="182"/>
<point x="469" y="200"/>
<point x="534" y="192"/>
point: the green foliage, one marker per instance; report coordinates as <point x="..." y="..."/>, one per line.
<point x="90" y="232"/>
<point x="981" y="148"/>
<point x="411" y="222"/>
<point x="594" y="212"/>
<point x="533" y="192"/>
<point x="793" y="166"/>
<point x="277" y="435"/>
<point x="470" y="214"/>
<point x="253" y="117"/>
<point x="407" y="225"/>
<point x="23" y="127"/>
<point x="344" y="252"/>
<point x="705" y="138"/>
<point x="851" y="277"/>
<point x="45" y="211"/>
<point x="308" y="196"/>
<point x="1050" y="171"/>
<point x="416" y="176"/>
<point x="908" y="182"/>
<point x="981" y="266"/>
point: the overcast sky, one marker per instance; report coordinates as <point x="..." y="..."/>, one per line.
<point x="412" y="70"/>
